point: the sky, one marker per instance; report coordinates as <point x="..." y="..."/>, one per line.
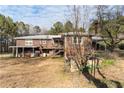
<point x="43" y="16"/>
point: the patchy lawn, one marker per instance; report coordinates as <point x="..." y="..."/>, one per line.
<point x="35" y="72"/>
<point x="49" y="72"/>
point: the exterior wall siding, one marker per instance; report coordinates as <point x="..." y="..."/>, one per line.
<point x="44" y="43"/>
<point x="20" y="42"/>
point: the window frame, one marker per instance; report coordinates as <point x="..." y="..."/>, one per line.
<point x="77" y="40"/>
<point x="28" y="42"/>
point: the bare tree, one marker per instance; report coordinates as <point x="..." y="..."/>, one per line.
<point x="76" y="53"/>
<point x="86" y="11"/>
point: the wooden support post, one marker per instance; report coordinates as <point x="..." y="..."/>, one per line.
<point x="23" y="52"/>
<point x="96" y="46"/>
<point x="65" y="46"/>
<point x="105" y="48"/>
<point x="16" y="52"/>
<point x="33" y="52"/>
<point x="94" y="67"/>
<point x="13" y="51"/>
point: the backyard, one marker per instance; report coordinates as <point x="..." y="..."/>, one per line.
<point x="49" y="72"/>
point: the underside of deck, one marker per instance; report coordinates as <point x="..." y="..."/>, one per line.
<point x="32" y="51"/>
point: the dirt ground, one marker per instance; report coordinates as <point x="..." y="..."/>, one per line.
<point x="49" y="72"/>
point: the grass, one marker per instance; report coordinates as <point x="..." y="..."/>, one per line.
<point x="105" y="63"/>
<point x="108" y="62"/>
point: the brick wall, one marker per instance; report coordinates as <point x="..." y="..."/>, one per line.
<point x="71" y="48"/>
<point x="44" y="43"/>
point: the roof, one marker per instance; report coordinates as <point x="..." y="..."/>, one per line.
<point x="77" y="33"/>
<point x="39" y="37"/>
<point x="95" y="38"/>
<point x="23" y="46"/>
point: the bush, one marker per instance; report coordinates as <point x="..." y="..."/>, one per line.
<point x="121" y="46"/>
<point x="84" y="69"/>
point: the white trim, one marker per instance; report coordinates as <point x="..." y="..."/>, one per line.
<point x="77" y="40"/>
<point x="82" y="40"/>
<point x="39" y="37"/>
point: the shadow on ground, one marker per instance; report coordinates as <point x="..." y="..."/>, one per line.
<point x="101" y="83"/>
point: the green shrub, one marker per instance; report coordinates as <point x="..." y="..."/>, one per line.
<point x="85" y="69"/>
<point x="121" y="46"/>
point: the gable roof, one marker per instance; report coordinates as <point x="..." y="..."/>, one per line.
<point x="39" y="37"/>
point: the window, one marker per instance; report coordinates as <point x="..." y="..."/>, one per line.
<point x="74" y="39"/>
<point x="28" y="42"/>
<point x="77" y="40"/>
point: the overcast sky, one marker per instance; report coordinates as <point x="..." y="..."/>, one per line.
<point x="44" y="16"/>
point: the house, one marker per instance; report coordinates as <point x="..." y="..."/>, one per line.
<point x="69" y="44"/>
<point x="38" y="45"/>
